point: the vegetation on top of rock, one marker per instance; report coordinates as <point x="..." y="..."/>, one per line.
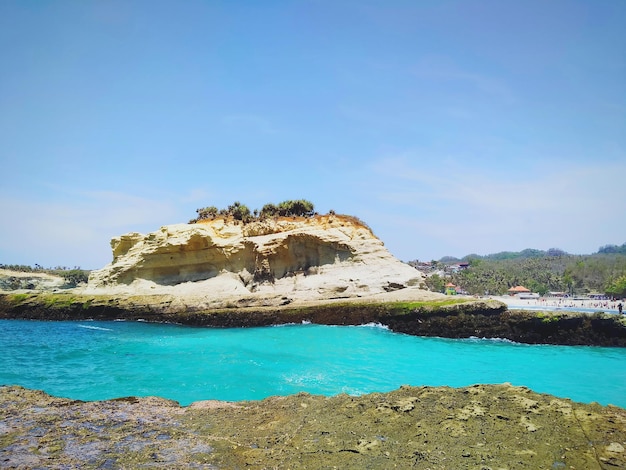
<point x="297" y="208"/>
<point x="74" y="277"/>
<point x="289" y="208"/>
<point x="239" y="211"/>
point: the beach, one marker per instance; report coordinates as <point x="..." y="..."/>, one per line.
<point x="558" y="303"/>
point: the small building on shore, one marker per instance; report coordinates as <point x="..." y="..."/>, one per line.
<point x="518" y="290"/>
<point x="522" y="292"/>
<point x="556" y="294"/>
<point x="450" y="289"/>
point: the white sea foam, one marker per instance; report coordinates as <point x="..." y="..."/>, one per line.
<point x="315" y="359"/>
<point x="304" y="322"/>
<point x="494" y="340"/>
<point x="282" y="325"/>
<point x="375" y="325"/>
<point x="306" y="379"/>
<point x="89" y="327"/>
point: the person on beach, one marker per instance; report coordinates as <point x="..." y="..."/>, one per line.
<point x="619" y="308"/>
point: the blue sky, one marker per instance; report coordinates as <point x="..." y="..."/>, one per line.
<point x="450" y="127"/>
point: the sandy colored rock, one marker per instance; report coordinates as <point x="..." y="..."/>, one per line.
<point x="477" y="427"/>
<point x="17" y="281"/>
<point x="322" y="257"/>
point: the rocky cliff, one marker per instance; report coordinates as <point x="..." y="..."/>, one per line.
<point x="319" y="257"/>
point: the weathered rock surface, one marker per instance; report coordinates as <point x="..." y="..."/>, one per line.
<point x="322" y="257"/>
<point x="478" y="427"/>
<point x="11" y="281"/>
<point x="451" y="318"/>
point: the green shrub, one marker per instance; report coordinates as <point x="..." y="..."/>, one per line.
<point x="207" y="213"/>
<point x="239" y="211"/>
<point x="73" y="277"/>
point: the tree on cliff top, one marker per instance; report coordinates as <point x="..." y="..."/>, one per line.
<point x="206" y="213"/>
<point x="297" y="208"/>
<point x="239" y="211"/>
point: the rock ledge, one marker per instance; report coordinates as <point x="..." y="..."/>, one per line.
<point x="483" y="427"/>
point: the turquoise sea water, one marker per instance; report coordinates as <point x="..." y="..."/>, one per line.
<point x="100" y="360"/>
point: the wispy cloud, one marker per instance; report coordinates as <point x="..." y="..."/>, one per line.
<point x="565" y="204"/>
<point x="443" y="69"/>
<point x="76" y="229"/>
<point x="198" y="195"/>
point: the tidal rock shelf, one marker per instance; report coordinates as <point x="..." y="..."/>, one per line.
<point x="460" y="318"/>
<point x="482" y="427"/>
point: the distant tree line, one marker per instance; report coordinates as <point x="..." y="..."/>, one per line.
<point x="613" y="249"/>
<point x="540" y="271"/>
<point x="72" y="276"/>
<point x="503" y="255"/>
<point x="239" y="211"/>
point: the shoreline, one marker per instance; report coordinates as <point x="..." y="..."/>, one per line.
<point x="481" y="426"/>
<point x="558" y="304"/>
<point x="443" y="317"/>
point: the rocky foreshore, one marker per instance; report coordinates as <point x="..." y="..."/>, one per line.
<point x="452" y="318"/>
<point x="477" y="427"/>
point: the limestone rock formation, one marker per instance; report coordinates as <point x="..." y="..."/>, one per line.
<point x="14" y="281"/>
<point x="329" y="256"/>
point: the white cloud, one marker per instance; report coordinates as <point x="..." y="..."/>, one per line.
<point x="75" y="231"/>
<point x="198" y="195"/>
<point x="458" y="210"/>
<point x="444" y="69"/>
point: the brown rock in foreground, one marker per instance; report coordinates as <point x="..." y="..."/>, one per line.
<point x="481" y="427"/>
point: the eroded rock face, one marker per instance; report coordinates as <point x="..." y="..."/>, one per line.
<point x="29" y="281"/>
<point x="327" y="256"/>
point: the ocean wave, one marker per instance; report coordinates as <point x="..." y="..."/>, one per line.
<point x="493" y="340"/>
<point x="374" y="325"/>
<point x="89" y="327"/>
<point x="281" y="325"/>
<point x="306" y="379"/>
<point x="304" y="322"/>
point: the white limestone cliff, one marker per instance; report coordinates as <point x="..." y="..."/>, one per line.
<point x="321" y="257"/>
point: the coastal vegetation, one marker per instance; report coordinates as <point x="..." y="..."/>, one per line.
<point x="554" y="270"/>
<point x="72" y="276"/>
<point x="290" y="208"/>
<point x="239" y="211"/>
